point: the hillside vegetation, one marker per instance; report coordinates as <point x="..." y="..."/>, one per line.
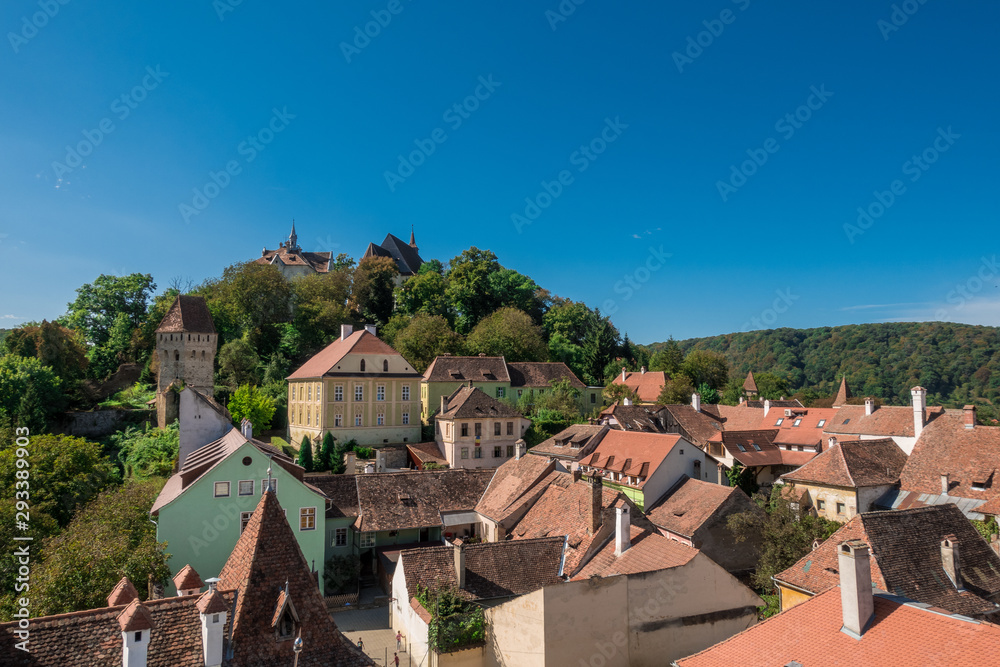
<point x="956" y="363"/>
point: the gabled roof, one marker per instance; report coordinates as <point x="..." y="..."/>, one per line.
<point x="810" y="429"/>
<point x="906" y="546"/>
<point x="735" y="417"/>
<point x="541" y="374"/>
<point x="855" y="464"/>
<point x="647" y="386"/>
<point x="885" y="421"/>
<point x="649" y="552"/>
<point x="776" y="403"/>
<point x="492" y="569"/>
<point x="843" y="394"/>
<point x="266" y="563"/>
<point x="632" y="452"/>
<point x="511" y="482"/>
<point x="202" y="460"/>
<point x="326" y="360"/>
<point x="970" y="458"/>
<point x="697" y="426"/>
<point x="317" y="261"/>
<point x="188" y="314"/>
<point x="407" y="259"/>
<point x="691" y="503"/>
<point x="757" y="448"/>
<point x="462" y="369"/>
<point x="750" y="385"/>
<point x="474" y="403"/>
<point x="342" y="491"/>
<point x="399" y="500"/>
<point x="902" y="634"/>
<point x="426" y="452"/>
<point x="633" y="418"/>
<point x="572" y="442"/>
<point x="187" y="579"/>
<point x="123" y="593"/>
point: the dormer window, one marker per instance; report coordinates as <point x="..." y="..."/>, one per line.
<point x="742" y="448"/>
<point x="286" y="626"/>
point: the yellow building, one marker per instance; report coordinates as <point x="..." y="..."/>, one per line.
<point x="356" y="388"/>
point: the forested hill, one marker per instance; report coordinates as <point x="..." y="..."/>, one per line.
<point x="957" y="363"/>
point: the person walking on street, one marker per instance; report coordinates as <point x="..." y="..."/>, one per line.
<point x="399" y="639"/>
<point x="361" y="644"/>
<point x="395" y="659"/>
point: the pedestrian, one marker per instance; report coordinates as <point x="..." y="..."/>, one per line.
<point x="395" y="659"/>
<point x="361" y="644"/>
<point x="399" y="639"/>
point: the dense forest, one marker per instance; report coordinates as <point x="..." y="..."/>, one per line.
<point x="956" y="363"/>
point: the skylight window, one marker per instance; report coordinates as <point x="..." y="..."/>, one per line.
<point x="778" y="423"/>
<point x="742" y="448"/>
<point x="755" y="446"/>
<point x="822" y="423"/>
<point x="797" y="421"/>
<point x="846" y="421"/>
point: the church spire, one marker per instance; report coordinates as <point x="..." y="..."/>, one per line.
<point x="413" y="240"/>
<point x="293" y="239"/>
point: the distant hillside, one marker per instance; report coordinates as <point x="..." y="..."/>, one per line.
<point x="957" y="363"/>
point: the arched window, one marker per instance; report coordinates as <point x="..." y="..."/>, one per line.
<point x="177" y="355"/>
<point x="385" y="365"/>
<point x="362" y="365"/>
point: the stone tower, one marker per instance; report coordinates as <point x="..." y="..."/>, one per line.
<point x="185" y="346"/>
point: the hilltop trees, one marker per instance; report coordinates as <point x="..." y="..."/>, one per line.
<point x="510" y="333"/>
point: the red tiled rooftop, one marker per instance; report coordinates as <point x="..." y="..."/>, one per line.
<point x="648" y="552"/>
<point x="325" y="361"/>
<point x="647" y="386"/>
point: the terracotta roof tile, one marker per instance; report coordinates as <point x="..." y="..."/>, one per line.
<point x="212" y="602"/>
<point x="691" y="503"/>
<point x="647" y="386"/>
<point x="123" y="593"/>
<point x="317" y="261"/>
<point x="810" y="634"/>
<point x="649" y="552"/>
<point x="632" y="452"/>
<point x="818" y="570"/>
<point x="426" y="452"/>
<point x="888" y="420"/>
<point x="187" y="579"/>
<point x="633" y="418"/>
<point x="750" y="384"/>
<point x="324" y="361"/>
<point x="541" y="374"/>
<point x="135" y="617"/>
<point x="810" y="429"/>
<point x="474" y="403"/>
<point x="843" y="394"/>
<point x="511" y="482"/>
<point x="572" y="442"/>
<point x="970" y="458"/>
<point x="855" y="464"/>
<point x="735" y="417"/>
<point x="188" y="314"/>
<point x="342" y="490"/>
<point x="463" y="369"/>
<point x="399" y="500"/>
<point x="696" y="426"/>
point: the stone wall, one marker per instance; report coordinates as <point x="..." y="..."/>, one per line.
<point x="101" y="423"/>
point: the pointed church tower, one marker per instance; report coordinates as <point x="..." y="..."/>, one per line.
<point x="413" y="239"/>
<point x="750" y="386"/>
<point x="293" y="239"/>
<point x="843" y="393"/>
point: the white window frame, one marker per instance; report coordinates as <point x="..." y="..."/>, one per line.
<point x="406" y="392"/>
<point x="380" y="392"/>
<point x="358" y="421"/>
<point x="304" y="514"/>
<point x="215" y="489"/>
<point x="338" y="393"/>
<point x="339" y="535"/>
<point x="244" y="520"/>
<point x="367" y="540"/>
<point x="406" y="418"/>
<point x="359" y="393"/>
<point x="246" y="481"/>
<point x="380" y="419"/>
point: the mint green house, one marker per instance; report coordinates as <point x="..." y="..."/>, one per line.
<point x="206" y="505"/>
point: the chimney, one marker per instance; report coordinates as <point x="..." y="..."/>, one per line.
<point x="520" y="449"/>
<point x="345" y="331"/>
<point x="970" y="416"/>
<point x="767" y="406"/>
<point x="123" y="593"/>
<point x="696" y="401"/>
<point x="832" y="441"/>
<point x="919" y="410"/>
<point x="623" y="373"/>
<point x="459" y="554"/>
<point x="596" y="504"/>
<point x="246" y="428"/>
<point x="869" y="405"/>
<point x="213" y="611"/>
<point x="622" y="530"/>
<point x="137" y="626"/>
<point x="444" y="404"/>
<point x="187" y="581"/>
<point x="626" y="401"/>
<point x="856" y="599"/>
<point x="944" y="484"/>
<point x="578" y="475"/>
<point x="370" y="328"/>
<point x="642" y="370"/>
<point x="741" y="400"/>
<point x="949" y="560"/>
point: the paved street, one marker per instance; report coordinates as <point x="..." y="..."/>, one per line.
<point x="372" y="626"/>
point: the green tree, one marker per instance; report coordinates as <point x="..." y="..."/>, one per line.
<point x="98" y="304"/>
<point x="705" y="366"/>
<point x="249" y="402"/>
<point x="29" y="392"/>
<point x="110" y="538"/>
<point x="785" y="536"/>
<point x="321" y="306"/>
<point x="617" y="392"/>
<point x="676" y="391"/>
<point x="511" y="289"/>
<point x="743" y="478"/>
<point x="708" y="394"/>
<point x="599" y="349"/>
<point x="424" y="293"/>
<point x="306" y="454"/>
<point x="668" y="359"/>
<point x="147" y="452"/>
<point x="572" y="320"/>
<point x="469" y="289"/>
<point x="427" y="337"/>
<point x="61" y="349"/>
<point x="374" y="282"/>
<point x="105" y="358"/>
<point x="511" y="333"/>
<point x="238" y="363"/>
<point x="771" y="386"/>
<point x="246" y="298"/>
<point x="326" y="453"/>
<point x="562" y="398"/>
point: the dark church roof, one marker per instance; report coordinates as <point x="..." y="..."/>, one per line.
<point x="407" y="259"/>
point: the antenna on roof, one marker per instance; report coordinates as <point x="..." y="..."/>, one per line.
<point x="269" y="486"/>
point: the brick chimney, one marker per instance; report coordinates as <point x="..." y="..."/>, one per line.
<point x="623" y="523"/>
<point x="919" y="410"/>
<point x="969" y="412"/>
<point x="949" y="560"/>
<point x="345" y="331"/>
<point x="577" y="474"/>
<point x="696" y="401"/>
<point x="596" y="504"/>
<point x="856" y="599"/>
<point x="459" y="554"/>
<point x="869" y="405"/>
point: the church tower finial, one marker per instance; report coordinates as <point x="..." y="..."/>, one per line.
<point x="293" y="239"/>
<point x="413" y="240"/>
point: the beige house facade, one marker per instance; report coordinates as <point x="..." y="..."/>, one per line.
<point x="474" y="430"/>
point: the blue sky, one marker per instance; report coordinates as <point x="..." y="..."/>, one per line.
<point x="644" y="110"/>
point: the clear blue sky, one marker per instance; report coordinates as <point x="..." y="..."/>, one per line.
<point x="886" y="94"/>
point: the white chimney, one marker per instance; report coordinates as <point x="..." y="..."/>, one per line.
<point x="346" y="330"/>
<point x="944" y="484"/>
<point x="919" y="410"/>
<point x="767" y="406"/>
<point x="520" y="448"/>
<point x="623" y="373"/>
<point x="213" y="611"/>
<point x="623" y="538"/>
<point x="642" y="370"/>
<point x="246" y="428"/>
<point x="137" y="627"/>
<point x="949" y="560"/>
<point x="696" y="401"/>
<point x="626" y="401"/>
<point x="856" y="599"/>
<point x="869" y="405"/>
<point x="832" y="441"/>
<point x="444" y="404"/>
<point x="459" y="554"/>
<point x="370" y="328"/>
<point x="969" y="415"/>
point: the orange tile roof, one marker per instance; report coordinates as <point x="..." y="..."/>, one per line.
<point x="324" y="361"/>
<point x="317" y="261"/>
<point x="647" y="386"/>
<point x="736" y="417"/>
<point x="853" y="464"/>
<point x="692" y="502"/>
<point x="649" y="552"/>
<point x="510" y="483"/>
<point x="819" y="571"/>
<point x="123" y="593"/>
<point x="632" y="452"/>
<point x="967" y="456"/>
<point x="887" y="420"/>
<point x="188" y="314"/>
<point x="809" y="634"/>
<point x="187" y="578"/>
<point x="808" y="432"/>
